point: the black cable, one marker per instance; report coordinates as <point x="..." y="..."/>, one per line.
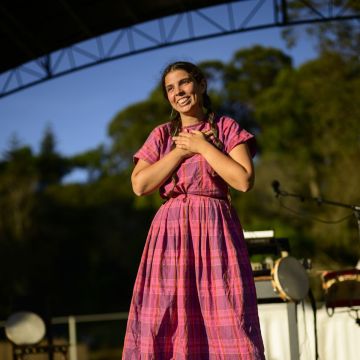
<point x="314" y="218"/>
<point x="313" y="306"/>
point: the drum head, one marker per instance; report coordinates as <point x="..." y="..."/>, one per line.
<point x="25" y="328"/>
<point x="290" y="279"/>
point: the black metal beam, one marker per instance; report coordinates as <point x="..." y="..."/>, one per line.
<point x="233" y="17"/>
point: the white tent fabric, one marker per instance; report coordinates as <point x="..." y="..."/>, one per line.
<point x="338" y="336"/>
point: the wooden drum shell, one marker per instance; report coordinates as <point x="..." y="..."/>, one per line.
<point x="342" y="288"/>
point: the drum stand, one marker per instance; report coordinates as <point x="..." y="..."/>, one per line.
<point x="291" y="308"/>
<point x="266" y="295"/>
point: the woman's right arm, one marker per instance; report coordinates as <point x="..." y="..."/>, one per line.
<point x="146" y="177"/>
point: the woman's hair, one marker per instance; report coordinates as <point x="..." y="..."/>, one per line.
<point x="196" y="74"/>
<point x="175" y="126"/>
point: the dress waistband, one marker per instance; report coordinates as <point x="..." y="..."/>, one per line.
<point x="185" y="196"/>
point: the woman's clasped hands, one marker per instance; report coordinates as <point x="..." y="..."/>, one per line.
<point x="192" y="142"/>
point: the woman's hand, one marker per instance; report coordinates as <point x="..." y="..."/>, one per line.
<point x="191" y="142"/>
<point x="183" y="153"/>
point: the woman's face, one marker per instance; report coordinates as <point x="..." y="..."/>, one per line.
<point x="184" y="93"/>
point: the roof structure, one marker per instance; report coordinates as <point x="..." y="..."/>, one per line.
<point x="30" y="29"/>
<point x="44" y="39"/>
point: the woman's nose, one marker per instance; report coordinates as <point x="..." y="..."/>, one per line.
<point x="179" y="91"/>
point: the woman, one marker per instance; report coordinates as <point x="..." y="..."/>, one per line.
<point x="194" y="295"/>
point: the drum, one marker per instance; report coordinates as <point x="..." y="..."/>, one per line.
<point x="289" y="279"/>
<point x="342" y="288"/>
<point x="25" y="328"/>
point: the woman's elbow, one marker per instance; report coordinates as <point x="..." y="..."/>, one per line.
<point x="142" y="192"/>
<point x="137" y="188"/>
<point x="245" y="186"/>
<point x="137" y="192"/>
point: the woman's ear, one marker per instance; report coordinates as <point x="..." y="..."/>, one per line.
<point x="203" y="86"/>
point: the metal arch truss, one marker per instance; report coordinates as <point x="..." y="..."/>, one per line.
<point x="233" y="17"/>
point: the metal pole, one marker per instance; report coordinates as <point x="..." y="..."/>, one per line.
<point x="293" y="331"/>
<point x="72" y="338"/>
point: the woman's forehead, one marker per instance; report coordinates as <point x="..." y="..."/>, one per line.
<point x="176" y="75"/>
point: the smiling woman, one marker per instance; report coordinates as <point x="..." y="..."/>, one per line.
<point x="185" y="96"/>
<point x="194" y="295"/>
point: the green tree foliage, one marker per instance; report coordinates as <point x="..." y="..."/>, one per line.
<point x="131" y="126"/>
<point x="342" y="37"/>
<point x="310" y="129"/>
<point x="67" y="248"/>
<point x="94" y="161"/>
<point x="51" y="166"/>
<point x="17" y="182"/>
<point x="252" y="70"/>
<point x="76" y="247"/>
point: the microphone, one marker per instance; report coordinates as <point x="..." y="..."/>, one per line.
<point x="276" y="187"/>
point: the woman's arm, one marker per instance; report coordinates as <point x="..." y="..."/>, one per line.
<point x="237" y="169"/>
<point x="146" y="177"/>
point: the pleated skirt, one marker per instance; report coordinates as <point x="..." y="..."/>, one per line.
<point x="194" y="295"/>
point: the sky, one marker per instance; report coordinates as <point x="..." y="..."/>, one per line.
<point x="79" y="106"/>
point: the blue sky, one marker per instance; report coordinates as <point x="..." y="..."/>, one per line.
<point x="80" y="106"/>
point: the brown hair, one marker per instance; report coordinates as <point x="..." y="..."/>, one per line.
<point x="195" y="72"/>
<point x="175" y="126"/>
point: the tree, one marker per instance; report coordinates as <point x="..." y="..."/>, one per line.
<point x="131" y="126"/>
<point x="51" y="166"/>
<point x="17" y="182"/>
<point x="94" y="161"/>
<point x="310" y="128"/>
<point x="342" y="37"/>
<point x="247" y="75"/>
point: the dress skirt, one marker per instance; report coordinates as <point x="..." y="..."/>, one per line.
<point x="194" y="295"/>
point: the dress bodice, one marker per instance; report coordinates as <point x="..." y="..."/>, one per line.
<point x="194" y="175"/>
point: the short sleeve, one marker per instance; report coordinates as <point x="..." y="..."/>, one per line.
<point x="151" y="149"/>
<point x="234" y="135"/>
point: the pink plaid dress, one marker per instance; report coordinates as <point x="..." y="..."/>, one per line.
<point x="194" y="296"/>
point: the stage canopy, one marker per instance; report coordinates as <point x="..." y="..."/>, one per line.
<point x="31" y="29"/>
<point x="42" y="40"/>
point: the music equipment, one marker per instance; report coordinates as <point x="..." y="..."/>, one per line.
<point x="274" y="278"/>
<point x="290" y="279"/>
<point x="25" y="328"/>
<point x="342" y="288"/>
<point x="284" y="279"/>
<point x="264" y="243"/>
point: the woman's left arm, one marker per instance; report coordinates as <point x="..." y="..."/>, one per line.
<point x="236" y="169"/>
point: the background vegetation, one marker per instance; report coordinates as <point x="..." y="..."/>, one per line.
<point x="75" y="248"/>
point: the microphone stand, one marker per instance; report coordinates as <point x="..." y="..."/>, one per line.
<point x="319" y="201"/>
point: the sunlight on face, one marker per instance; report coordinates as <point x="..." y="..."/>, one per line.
<point x="184" y="93"/>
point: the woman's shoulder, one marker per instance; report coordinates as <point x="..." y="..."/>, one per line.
<point x="225" y="122"/>
<point x="160" y="132"/>
<point x="165" y="127"/>
<point x="162" y="129"/>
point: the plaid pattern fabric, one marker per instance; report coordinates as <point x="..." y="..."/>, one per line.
<point x="194" y="296"/>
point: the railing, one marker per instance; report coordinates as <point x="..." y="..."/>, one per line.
<point x="73" y="320"/>
<point x="337" y="335"/>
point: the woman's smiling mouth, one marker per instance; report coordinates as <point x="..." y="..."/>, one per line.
<point x="184" y="101"/>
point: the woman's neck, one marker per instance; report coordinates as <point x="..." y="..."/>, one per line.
<point x="187" y="120"/>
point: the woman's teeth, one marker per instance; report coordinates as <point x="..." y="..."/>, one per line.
<point x="183" y="101"/>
